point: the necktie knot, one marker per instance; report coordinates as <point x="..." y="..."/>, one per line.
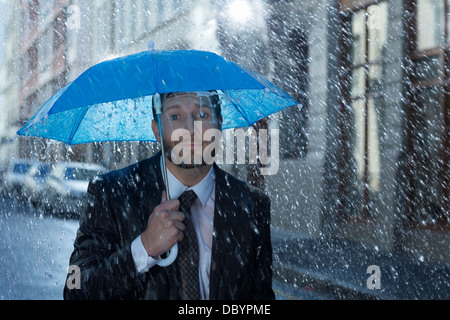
<point x="187" y="199"/>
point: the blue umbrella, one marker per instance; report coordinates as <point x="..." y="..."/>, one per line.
<point x="112" y="101"/>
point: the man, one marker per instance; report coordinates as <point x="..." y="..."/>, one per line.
<point x="129" y="224"/>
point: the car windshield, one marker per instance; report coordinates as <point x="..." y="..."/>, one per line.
<point x="43" y="171"/>
<point x="80" y="174"/>
<point x="21" y="168"/>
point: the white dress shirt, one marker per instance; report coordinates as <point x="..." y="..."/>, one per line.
<point x="202" y="212"/>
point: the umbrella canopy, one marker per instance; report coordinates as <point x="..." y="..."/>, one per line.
<point x="112" y="101"/>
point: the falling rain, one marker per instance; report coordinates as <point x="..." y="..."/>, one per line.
<point x="360" y="200"/>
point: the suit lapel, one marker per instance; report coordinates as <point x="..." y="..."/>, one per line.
<point x="150" y="188"/>
<point x="149" y="185"/>
<point x="225" y="225"/>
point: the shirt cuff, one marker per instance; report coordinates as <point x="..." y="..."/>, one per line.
<point x="142" y="260"/>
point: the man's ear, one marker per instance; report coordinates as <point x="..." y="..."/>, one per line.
<point x="156" y="130"/>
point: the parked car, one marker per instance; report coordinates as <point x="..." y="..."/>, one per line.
<point x="67" y="186"/>
<point x="34" y="185"/>
<point x="3" y="187"/>
<point x="15" y="177"/>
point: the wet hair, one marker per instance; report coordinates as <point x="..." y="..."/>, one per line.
<point x="213" y="98"/>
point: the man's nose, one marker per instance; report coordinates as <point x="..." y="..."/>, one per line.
<point x="190" y="124"/>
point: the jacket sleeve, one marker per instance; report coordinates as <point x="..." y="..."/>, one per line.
<point x="263" y="272"/>
<point x="106" y="268"/>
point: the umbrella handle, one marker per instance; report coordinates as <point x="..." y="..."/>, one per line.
<point x="173" y="252"/>
<point x="172" y="255"/>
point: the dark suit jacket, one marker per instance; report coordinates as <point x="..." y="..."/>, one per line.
<point x="119" y="204"/>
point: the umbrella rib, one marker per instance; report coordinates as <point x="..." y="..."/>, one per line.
<point x="153" y="73"/>
<point x="238" y="107"/>
<point x="78" y="123"/>
<point x="243" y="114"/>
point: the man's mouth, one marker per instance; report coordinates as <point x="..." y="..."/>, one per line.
<point x="191" y="146"/>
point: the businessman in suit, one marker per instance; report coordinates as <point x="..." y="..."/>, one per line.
<point x="129" y="224"/>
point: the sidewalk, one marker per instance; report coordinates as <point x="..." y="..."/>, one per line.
<point x="328" y="269"/>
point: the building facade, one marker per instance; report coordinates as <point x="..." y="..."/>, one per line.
<point x="374" y="178"/>
<point x="9" y="90"/>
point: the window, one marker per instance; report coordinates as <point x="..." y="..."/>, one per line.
<point x="46" y="54"/>
<point x="102" y="30"/>
<point x="149" y="15"/>
<point x="45" y="9"/>
<point x="428" y="149"/>
<point x="120" y="22"/>
<point x="160" y="12"/>
<point x="290" y="51"/>
<point x="294" y="121"/>
<point x="364" y="40"/>
<point x="33" y="14"/>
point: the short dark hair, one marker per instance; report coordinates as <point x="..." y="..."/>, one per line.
<point x="213" y="98"/>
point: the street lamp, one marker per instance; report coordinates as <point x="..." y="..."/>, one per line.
<point x="239" y="11"/>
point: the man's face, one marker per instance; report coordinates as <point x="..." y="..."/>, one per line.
<point x="190" y="112"/>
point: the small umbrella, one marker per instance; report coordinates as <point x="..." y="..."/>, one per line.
<point x="112" y="101"/>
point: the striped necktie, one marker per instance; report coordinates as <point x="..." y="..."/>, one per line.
<point x="189" y="254"/>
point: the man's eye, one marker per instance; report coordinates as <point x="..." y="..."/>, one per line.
<point x="173" y="117"/>
<point x="202" y="115"/>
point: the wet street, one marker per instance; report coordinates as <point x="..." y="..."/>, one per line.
<point x="34" y="252"/>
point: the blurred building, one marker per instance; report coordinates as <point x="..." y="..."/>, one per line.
<point x="364" y="166"/>
<point x="42" y="66"/>
<point x="9" y="89"/>
<point x="373" y="185"/>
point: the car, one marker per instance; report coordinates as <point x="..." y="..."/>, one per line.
<point x="3" y="188"/>
<point x="66" y="187"/>
<point x="15" y="176"/>
<point x="34" y="185"/>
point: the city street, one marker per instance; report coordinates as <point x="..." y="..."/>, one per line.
<point x="34" y="252"/>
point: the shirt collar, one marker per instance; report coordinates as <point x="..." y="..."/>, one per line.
<point x="203" y="189"/>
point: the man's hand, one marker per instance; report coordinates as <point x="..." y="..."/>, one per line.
<point x="164" y="227"/>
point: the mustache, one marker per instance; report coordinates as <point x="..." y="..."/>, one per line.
<point x="185" y="147"/>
